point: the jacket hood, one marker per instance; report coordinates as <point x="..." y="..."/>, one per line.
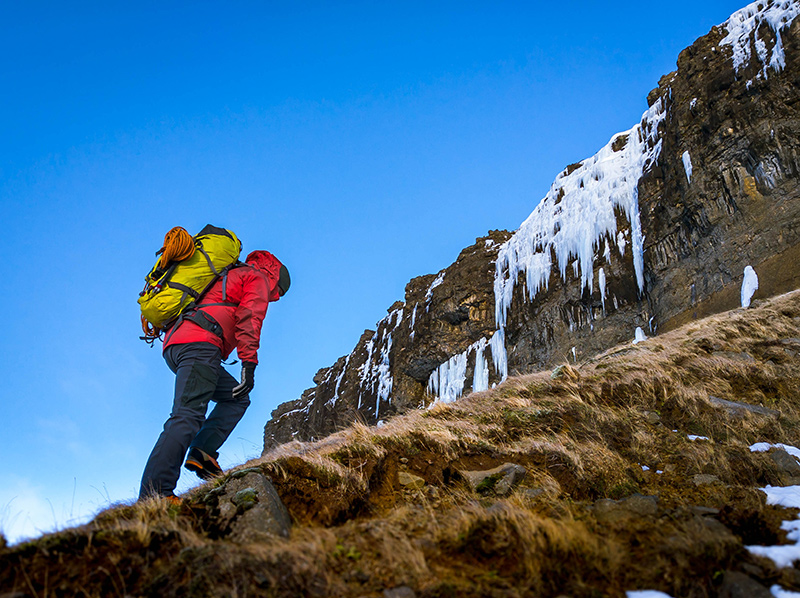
<point x="269" y="265"/>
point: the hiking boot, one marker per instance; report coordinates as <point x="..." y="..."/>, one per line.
<point x="203" y="464"/>
<point x="173" y="500"/>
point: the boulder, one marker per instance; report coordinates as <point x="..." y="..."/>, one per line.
<point x="252" y="508"/>
<point x="739" y="585"/>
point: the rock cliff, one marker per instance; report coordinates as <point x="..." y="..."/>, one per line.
<point x="652" y="231"/>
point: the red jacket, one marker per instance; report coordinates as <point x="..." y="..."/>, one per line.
<point x="248" y="291"/>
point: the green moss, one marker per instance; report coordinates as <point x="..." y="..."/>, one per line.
<point x="623" y="489"/>
<point x="350" y="553"/>
<point x="488" y="484"/>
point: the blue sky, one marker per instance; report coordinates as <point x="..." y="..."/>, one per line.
<point x="362" y="143"/>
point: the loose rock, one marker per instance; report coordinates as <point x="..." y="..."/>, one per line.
<point x="499" y="480"/>
<point x="608" y="510"/>
<point x="788" y="467"/>
<point x="410" y="481"/>
<point x="400" y="592"/>
<point x="704" y="478"/>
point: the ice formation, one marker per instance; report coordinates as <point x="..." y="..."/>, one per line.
<point x="379" y="373"/>
<point x="332" y="401"/>
<point x="499" y="355"/>
<point x="749" y="285"/>
<point x="480" y="381"/>
<point x="578" y="212"/>
<point x="639" y="336"/>
<point x="384" y="375"/>
<point x="743" y="27"/>
<point x="429" y="295"/>
<point x="621" y="243"/>
<point x="446" y="382"/>
<point x="601" y="281"/>
<point x="687" y="165"/>
<point x="574" y="218"/>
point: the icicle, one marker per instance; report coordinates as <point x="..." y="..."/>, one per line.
<point x="687" y="165"/>
<point x="601" y="280"/>
<point x="499" y="355"/>
<point x="480" y="380"/>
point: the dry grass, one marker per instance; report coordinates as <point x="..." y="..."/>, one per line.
<point x="583" y="437"/>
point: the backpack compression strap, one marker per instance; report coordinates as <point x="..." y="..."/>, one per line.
<point x="195" y="314"/>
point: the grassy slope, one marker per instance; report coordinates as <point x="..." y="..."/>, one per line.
<point x="582" y="436"/>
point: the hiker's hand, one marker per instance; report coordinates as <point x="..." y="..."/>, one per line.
<point x="248" y="380"/>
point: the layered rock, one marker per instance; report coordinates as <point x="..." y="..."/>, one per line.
<point x="652" y="231"/>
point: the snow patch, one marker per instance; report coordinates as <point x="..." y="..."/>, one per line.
<point x="694" y="438"/>
<point x="763" y="447"/>
<point x="788" y="497"/>
<point x="749" y="285"/>
<point x="647" y="594"/>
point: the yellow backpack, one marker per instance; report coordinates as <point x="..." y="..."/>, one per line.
<point x="186" y="268"/>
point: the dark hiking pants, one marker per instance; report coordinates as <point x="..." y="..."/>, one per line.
<point x="199" y="378"/>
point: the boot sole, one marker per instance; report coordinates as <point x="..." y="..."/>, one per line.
<point x="202" y="472"/>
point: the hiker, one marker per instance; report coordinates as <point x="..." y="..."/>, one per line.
<point x="228" y="315"/>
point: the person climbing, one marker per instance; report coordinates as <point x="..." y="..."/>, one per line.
<point x="228" y="315"/>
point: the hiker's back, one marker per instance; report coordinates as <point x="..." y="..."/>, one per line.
<point x="231" y="302"/>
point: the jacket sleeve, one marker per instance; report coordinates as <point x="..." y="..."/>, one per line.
<point x="249" y="315"/>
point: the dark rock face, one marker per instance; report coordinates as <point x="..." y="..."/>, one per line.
<point x="652" y="232"/>
<point x="388" y="370"/>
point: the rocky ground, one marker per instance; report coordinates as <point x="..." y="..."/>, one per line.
<point x="632" y="470"/>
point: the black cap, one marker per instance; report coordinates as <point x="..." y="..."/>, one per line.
<point x="284" y="282"/>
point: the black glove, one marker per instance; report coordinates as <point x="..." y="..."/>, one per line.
<point x="248" y="380"/>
